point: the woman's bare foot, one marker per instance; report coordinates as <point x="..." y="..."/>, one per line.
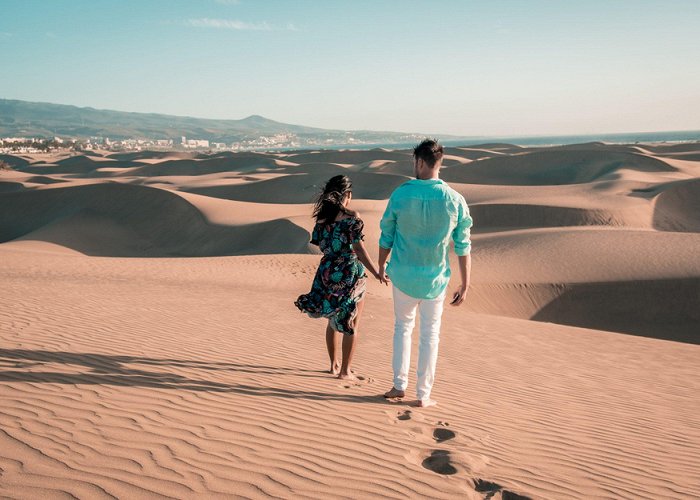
<point x="347" y="376"/>
<point x="394" y="393"/>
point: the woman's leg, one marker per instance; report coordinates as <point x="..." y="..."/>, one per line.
<point x="333" y="346"/>
<point x="349" y="342"/>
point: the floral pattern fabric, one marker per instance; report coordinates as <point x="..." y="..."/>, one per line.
<point x="340" y="280"/>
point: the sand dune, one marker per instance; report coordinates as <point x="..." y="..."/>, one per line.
<point x="149" y="155"/>
<point x="43" y="179"/>
<point x="583" y="255"/>
<point x="398" y="167"/>
<point x="42" y="169"/>
<point x="587" y="146"/>
<point x="144" y="396"/>
<point x="14" y="161"/>
<point x="475" y="153"/>
<point x="619" y="274"/>
<point x="660" y="309"/>
<point x="352" y="157"/>
<point x="326" y="170"/>
<point x="493" y="216"/>
<point x="694" y="156"/>
<point x="677" y="208"/>
<point x="686" y="147"/>
<point x="303" y="188"/>
<point x="125" y="220"/>
<point x="10" y="187"/>
<point x="239" y="213"/>
<point x="663" y="309"/>
<point x="620" y="202"/>
<point x="239" y="155"/>
<point x="681" y="152"/>
<point x="552" y="167"/>
<point x="80" y="165"/>
<point x="245" y="163"/>
<point x="129" y="369"/>
<point x="495" y="146"/>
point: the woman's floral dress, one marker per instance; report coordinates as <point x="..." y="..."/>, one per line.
<point x="340" y="280"/>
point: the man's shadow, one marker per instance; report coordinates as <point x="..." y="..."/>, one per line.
<point x="105" y="369"/>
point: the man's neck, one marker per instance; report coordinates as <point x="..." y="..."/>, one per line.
<point x="424" y="173"/>
<point x="430" y="177"/>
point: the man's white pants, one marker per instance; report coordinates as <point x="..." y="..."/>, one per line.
<point x="430" y="311"/>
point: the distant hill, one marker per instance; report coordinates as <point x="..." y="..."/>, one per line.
<point x="35" y="119"/>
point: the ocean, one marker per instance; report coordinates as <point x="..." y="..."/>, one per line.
<point x="628" y="138"/>
<point x="555" y="140"/>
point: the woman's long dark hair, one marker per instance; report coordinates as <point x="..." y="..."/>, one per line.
<point x="330" y="202"/>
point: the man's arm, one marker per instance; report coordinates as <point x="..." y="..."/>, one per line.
<point x="386" y="240"/>
<point x="383" y="256"/>
<point x="465" y="269"/>
<point x="462" y="240"/>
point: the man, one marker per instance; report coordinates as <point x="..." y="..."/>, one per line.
<point x="421" y="218"/>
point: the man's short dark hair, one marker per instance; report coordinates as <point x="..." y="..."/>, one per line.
<point x="429" y="151"/>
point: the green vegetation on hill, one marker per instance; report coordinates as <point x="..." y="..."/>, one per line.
<point x="33" y="119"/>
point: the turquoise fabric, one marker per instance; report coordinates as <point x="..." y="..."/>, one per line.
<point x="421" y="218"/>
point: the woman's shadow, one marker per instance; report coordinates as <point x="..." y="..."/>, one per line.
<point x="102" y="369"/>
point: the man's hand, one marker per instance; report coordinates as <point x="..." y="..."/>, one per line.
<point x="459" y="295"/>
<point x="382" y="276"/>
<point x="465" y="265"/>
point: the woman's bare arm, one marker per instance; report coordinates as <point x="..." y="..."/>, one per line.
<point x="364" y="257"/>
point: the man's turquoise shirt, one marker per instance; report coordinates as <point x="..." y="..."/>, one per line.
<point x="418" y="223"/>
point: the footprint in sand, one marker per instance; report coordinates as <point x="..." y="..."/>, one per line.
<point x="509" y="495"/>
<point x="490" y="489"/>
<point x="359" y="381"/>
<point x="404" y="415"/>
<point x="440" y="462"/>
<point x="441" y="434"/>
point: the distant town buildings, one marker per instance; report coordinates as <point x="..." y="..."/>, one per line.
<point x="278" y="141"/>
<point x="194" y="143"/>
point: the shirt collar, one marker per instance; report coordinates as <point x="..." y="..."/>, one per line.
<point x="426" y="182"/>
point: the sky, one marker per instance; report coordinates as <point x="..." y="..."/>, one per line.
<point x="466" y="68"/>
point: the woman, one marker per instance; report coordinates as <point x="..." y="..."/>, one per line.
<point x="338" y="288"/>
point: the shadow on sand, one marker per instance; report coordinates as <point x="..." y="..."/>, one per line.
<point x="102" y="369"/>
<point x="665" y="309"/>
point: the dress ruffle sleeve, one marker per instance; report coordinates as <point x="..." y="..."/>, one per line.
<point x="356" y="230"/>
<point x="315" y="235"/>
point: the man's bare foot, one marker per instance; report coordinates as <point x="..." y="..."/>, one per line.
<point x="334" y="369"/>
<point x="347" y="376"/>
<point x="394" y="393"/>
<point x="424" y="403"/>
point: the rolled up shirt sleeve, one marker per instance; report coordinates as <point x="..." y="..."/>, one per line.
<point x="388" y="227"/>
<point x="461" y="235"/>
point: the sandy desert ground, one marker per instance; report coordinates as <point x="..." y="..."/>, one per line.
<point x="149" y="345"/>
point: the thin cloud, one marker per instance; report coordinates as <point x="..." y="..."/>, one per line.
<point x="233" y="24"/>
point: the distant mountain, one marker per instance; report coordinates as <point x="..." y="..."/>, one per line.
<point x="35" y="119"/>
